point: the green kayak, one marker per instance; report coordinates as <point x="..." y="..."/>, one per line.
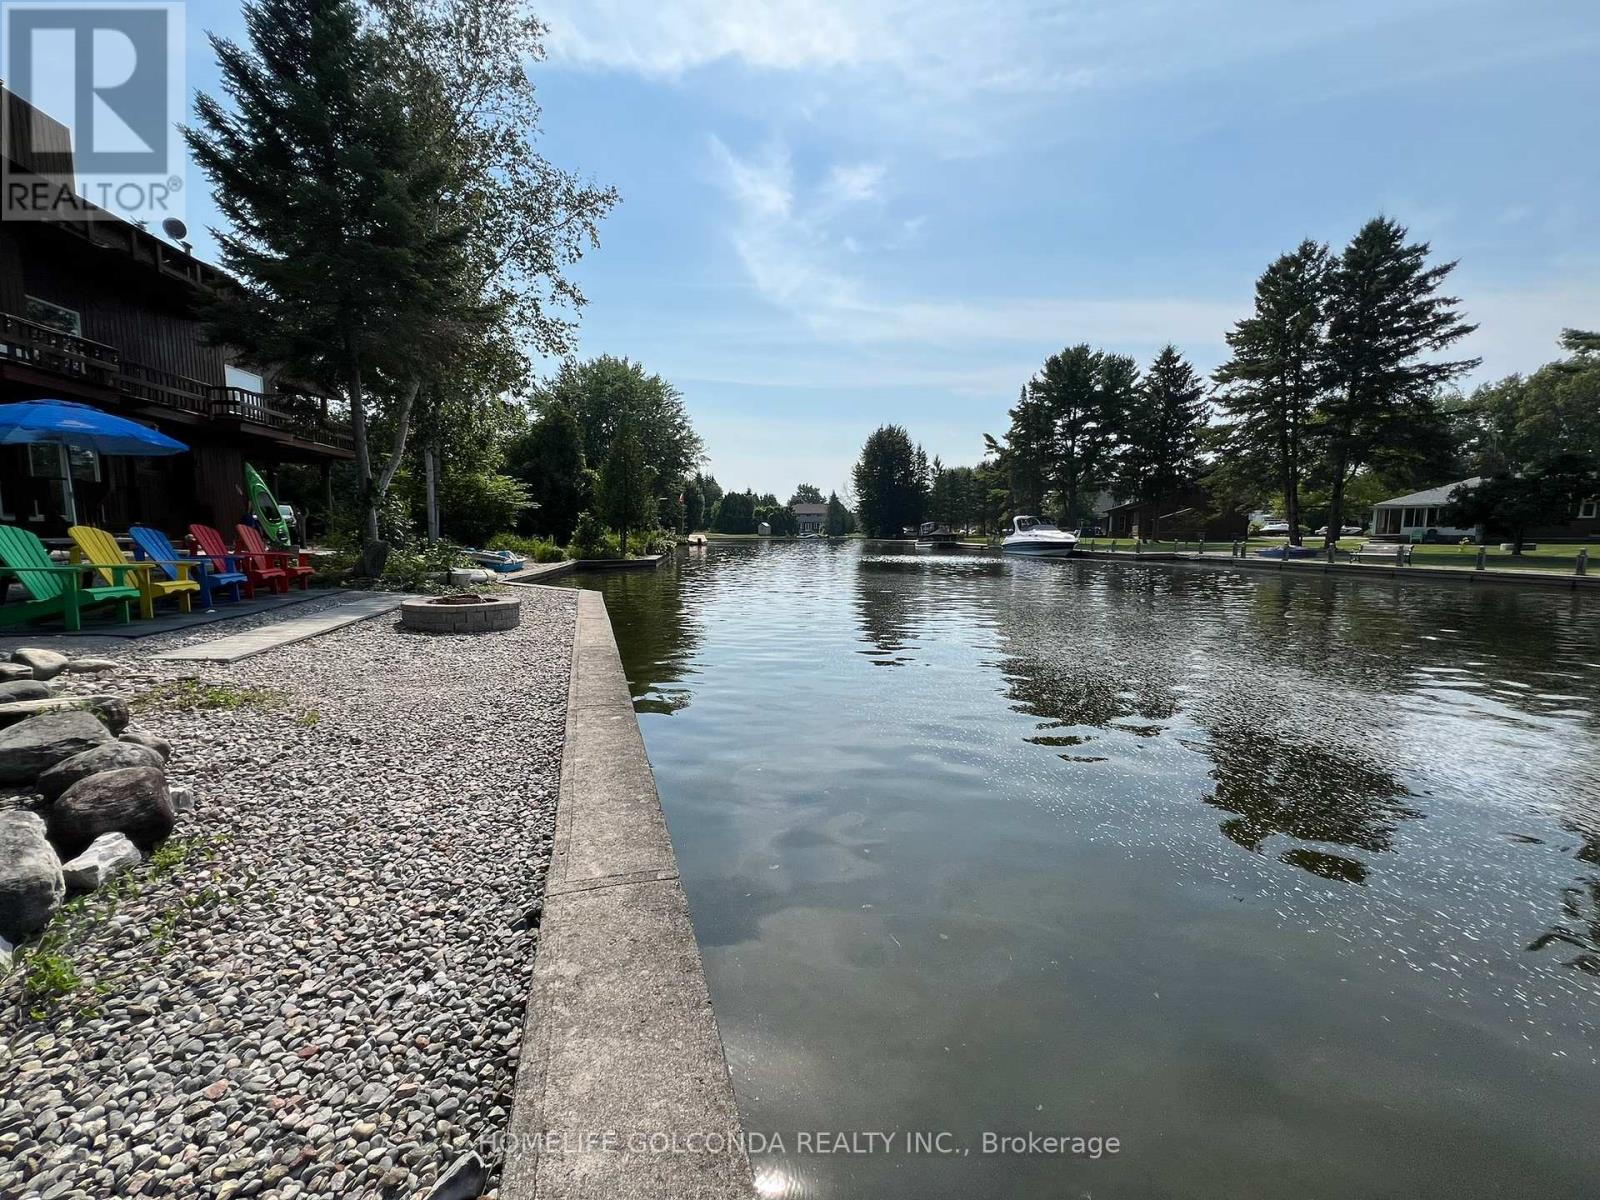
<point x="265" y="507"/>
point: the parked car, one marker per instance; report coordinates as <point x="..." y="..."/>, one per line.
<point x="1344" y="531"/>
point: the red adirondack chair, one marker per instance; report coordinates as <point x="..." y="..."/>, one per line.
<point x="212" y="547"/>
<point x="252" y="545"/>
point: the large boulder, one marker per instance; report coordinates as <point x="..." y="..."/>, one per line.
<point x="31" y="886"/>
<point x="45" y="664"/>
<point x="93" y="666"/>
<point x="112" y="710"/>
<point x="133" y="800"/>
<point x="143" y="737"/>
<point x="23" y="689"/>
<point x="108" y="756"/>
<point x="109" y="854"/>
<point x="31" y="747"/>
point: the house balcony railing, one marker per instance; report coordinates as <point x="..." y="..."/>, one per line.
<point x="95" y="365"/>
<point x="291" y="412"/>
<point x="165" y="388"/>
<point x="58" y="352"/>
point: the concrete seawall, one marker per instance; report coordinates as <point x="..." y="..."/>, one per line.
<point x="1446" y="576"/>
<point x="622" y="1086"/>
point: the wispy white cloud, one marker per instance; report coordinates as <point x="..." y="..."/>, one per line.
<point x="797" y="258"/>
<point x="856" y="182"/>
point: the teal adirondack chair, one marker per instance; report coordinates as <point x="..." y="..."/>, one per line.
<point x="56" y="589"/>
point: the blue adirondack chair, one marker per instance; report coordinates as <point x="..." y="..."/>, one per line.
<point x="154" y="545"/>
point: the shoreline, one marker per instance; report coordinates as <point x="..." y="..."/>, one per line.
<point x="622" y="1085"/>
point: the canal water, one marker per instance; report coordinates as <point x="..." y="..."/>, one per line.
<point x="1290" y="886"/>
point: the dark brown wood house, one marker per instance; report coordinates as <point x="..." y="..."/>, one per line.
<point x="1187" y="516"/>
<point x="101" y="311"/>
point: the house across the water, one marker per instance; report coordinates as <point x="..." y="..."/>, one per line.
<point x="1420" y="516"/>
<point x="101" y="311"/>
<point x="1177" y="518"/>
<point x="810" y="517"/>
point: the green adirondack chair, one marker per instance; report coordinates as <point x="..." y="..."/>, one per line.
<point x="55" y="589"/>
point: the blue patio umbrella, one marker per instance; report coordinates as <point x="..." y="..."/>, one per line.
<point x="68" y="423"/>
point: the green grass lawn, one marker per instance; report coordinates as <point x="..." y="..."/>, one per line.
<point x="1548" y="557"/>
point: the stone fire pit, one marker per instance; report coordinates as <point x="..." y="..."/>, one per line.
<point x="469" y="613"/>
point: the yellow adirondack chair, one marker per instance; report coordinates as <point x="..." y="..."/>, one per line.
<point x="98" y="549"/>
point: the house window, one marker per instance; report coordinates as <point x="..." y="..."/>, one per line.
<point x="46" y="460"/>
<point x="1589" y="509"/>
<point x="54" y="316"/>
<point x="247" y="381"/>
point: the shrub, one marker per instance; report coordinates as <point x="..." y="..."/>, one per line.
<point x="413" y="570"/>
<point x="476" y="503"/>
<point x="591" y="539"/>
<point x="658" y="541"/>
<point x="539" y="550"/>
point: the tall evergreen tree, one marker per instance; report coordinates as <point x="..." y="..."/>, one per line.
<point x="1387" y="324"/>
<point x="549" y="458"/>
<point x="626" y="488"/>
<point x="806" y="493"/>
<point x="837" y="521"/>
<point x="1068" y="386"/>
<point x="1029" y="451"/>
<point x="890" y="482"/>
<point x="694" y="506"/>
<point x="345" y="260"/>
<point x="1270" y="386"/>
<point x="1162" y="431"/>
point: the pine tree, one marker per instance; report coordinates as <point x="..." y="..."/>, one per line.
<point x="1162" y="432"/>
<point x="1271" y="384"/>
<point x="343" y="257"/>
<point x="1029" y="451"/>
<point x="837" y="522"/>
<point x="1387" y="323"/>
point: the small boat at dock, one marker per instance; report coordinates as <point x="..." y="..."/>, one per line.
<point x="502" y="562"/>
<point x="931" y="535"/>
<point x="1033" y="538"/>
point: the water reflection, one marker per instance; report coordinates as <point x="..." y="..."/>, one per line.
<point x="657" y="635"/>
<point x="1276" y="785"/>
<point x="1279" y="879"/>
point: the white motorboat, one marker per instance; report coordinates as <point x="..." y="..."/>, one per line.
<point x="1038" y="539"/>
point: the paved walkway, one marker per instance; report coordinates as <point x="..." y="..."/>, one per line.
<point x="622" y="1085"/>
<point x="287" y="632"/>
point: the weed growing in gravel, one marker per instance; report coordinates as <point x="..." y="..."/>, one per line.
<point x="191" y="694"/>
<point x="309" y="718"/>
<point x="50" y="977"/>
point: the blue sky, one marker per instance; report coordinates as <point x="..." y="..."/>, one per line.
<point x="838" y="213"/>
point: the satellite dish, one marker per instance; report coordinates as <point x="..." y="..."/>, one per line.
<point x="175" y="229"/>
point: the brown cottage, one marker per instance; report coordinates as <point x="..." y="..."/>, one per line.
<point x="103" y="312"/>
<point x="1183" y="517"/>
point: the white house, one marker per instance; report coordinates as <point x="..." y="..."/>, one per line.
<point x="1413" y="517"/>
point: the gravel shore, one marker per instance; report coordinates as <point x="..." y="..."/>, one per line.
<point x="317" y="988"/>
